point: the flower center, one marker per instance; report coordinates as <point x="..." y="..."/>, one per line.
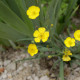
<point x="70" y="42"/>
<point x="32" y="50"/>
<point x="34" y="13"/>
<point x="66" y="55"/>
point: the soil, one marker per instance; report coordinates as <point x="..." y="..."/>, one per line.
<point x="12" y="69"/>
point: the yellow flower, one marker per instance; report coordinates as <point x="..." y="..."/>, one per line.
<point x="66" y="55"/>
<point x="47" y="46"/>
<point x="69" y="42"/>
<point x="67" y="52"/>
<point x="33" y="12"/>
<point x="49" y="56"/>
<point x="77" y="35"/>
<point x="32" y="49"/>
<point x="66" y="58"/>
<point x="41" y="34"/>
<point x="51" y="25"/>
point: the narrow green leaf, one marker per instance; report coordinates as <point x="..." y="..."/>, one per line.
<point x="13" y="20"/>
<point x="45" y="49"/>
<point x="69" y="13"/>
<point x="76" y="56"/>
<point x="7" y="32"/>
<point x="25" y="39"/>
<point x="12" y="44"/>
<point x="4" y="42"/>
<point x="61" y="71"/>
<point x="22" y="8"/>
<point x="13" y="6"/>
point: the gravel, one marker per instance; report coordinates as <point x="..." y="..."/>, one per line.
<point x="30" y="70"/>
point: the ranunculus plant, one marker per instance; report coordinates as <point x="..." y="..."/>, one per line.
<point x="42" y="28"/>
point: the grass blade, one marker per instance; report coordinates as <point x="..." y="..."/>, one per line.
<point x="61" y="71"/>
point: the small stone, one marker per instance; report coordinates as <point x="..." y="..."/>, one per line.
<point x="20" y="68"/>
<point x="36" y="78"/>
<point x="23" y="55"/>
<point x="30" y="65"/>
<point x="0" y="77"/>
<point x="11" y="66"/>
<point x="78" y="78"/>
<point x="14" y="73"/>
<point x="52" y="75"/>
<point x="9" y="76"/>
<point x="6" y="62"/>
<point x="5" y="71"/>
<point x="25" y="64"/>
<point x="29" y="77"/>
<point x="1" y="64"/>
<point x="4" y="76"/>
<point x="74" y="65"/>
<point x="44" y="78"/>
<point x="11" y="79"/>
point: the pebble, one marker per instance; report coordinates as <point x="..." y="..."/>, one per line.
<point x="25" y="64"/>
<point x="1" y="64"/>
<point x="5" y="71"/>
<point x="4" y="76"/>
<point x="10" y="79"/>
<point x="36" y="78"/>
<point x="9" y="76"/>
<point x="0" y="77"/>
<point x="30" y="65"/>
<point x="29" y="77"/>
<point x="23" y="55"/>
<point x="11" y="66"/>
<point x="44" y="78"/>
<point x="6" y="62"/>
<point x="78" y="78"/>
<point x="14" y="73"/>
<point x="20" y="68"/>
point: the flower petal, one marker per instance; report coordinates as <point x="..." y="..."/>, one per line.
<point x="46" y="34"/>
<point x="44" y="39"/>
<point x="41" y="30"/>
<point x="66" y="58"/>
<point x="36" y="33"/>
<point x="37" y="39"/>
<point x="77" y="35"/>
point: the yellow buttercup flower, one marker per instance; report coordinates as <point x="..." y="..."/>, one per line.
<point x="77" y="35"/>
<point x="67" y="52"/>
<point x="41" y="34"/>
<point x="51" y="25"/>
<point x="69" y="42"/>
<point x="32" y="49"/>
<point x="66" y="58"/>
<point x="49" y="56"/>
<point x="33" y="12"/>
<point x="66" y="55"/>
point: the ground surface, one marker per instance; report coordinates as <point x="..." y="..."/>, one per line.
<point x="31" y="70"/>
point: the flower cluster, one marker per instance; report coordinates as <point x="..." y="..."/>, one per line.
<point x="42" y="35"/>
<point x="70" y="42"/>
<point x="39" y="35"/>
